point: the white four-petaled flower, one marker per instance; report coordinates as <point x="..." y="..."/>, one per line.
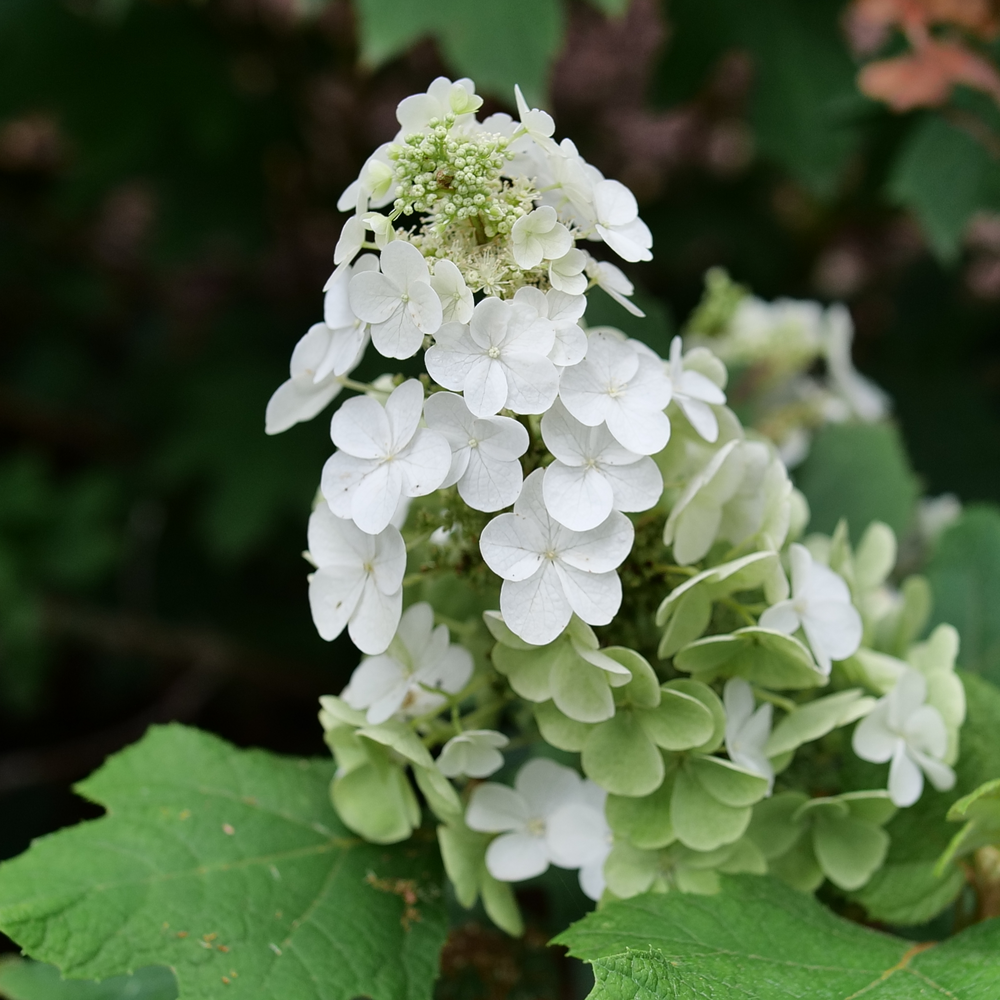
<point x="616" y="385"/>
<point x="695" y="394"/>
<point x="821" y="605"/>
<point x="550" y="816"/>
<point x="550" y="571"/>
<point x="349" y="334"/>
<point x="499" y="360"/>
<point x="484" y="450"/>
<point x="358" y="583"/>
<point x="617" y="221"/>
<point x="563" y="311"/>
<point x="539" y="236"/>
<point x="420" y="656"/>
<point x="414" y="113"/>
<point x="383" y="455"/>
<point x="474" y="753"/>
<point x="747" y="729"/>
<point x="611" y="278"/>
<point x="398" y="302"/>
<point x="593" y="474"/>
<point x="567" y="273"/>
<point x="301" y="397"/>
<point x="903" y="728"/>
<point x="536" y="123"/>
<point x="454" y="293"/>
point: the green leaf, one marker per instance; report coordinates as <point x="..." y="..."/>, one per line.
<point x="909" y="893"/>
<point x="942" y="175"/>
<point x="859" y="472"/>
<point x="758" y="940"/>
<point x="806" y="107"/>
<point x="964" y="574"/>
<point x="24" y="980"/>
<point x="498" y="44"/>
<point x="229" y="863"/>
<point x="981" y="812"/>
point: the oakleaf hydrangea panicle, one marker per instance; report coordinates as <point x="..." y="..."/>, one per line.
<point x="478" y="228"/>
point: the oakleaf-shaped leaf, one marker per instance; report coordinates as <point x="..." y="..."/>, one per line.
<point x="231" y="867"/>
<point x="759" y="940"/>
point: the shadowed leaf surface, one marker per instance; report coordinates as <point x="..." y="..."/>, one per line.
<point x="231" y="867"/>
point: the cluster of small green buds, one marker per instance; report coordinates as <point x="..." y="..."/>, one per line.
<point x="454" y="178"/>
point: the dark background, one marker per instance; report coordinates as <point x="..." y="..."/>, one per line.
<point x="168" y="178"/>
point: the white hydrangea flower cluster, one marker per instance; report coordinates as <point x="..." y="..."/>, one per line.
<point x="778" y="347"/>
<point x="567" y="478"/>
